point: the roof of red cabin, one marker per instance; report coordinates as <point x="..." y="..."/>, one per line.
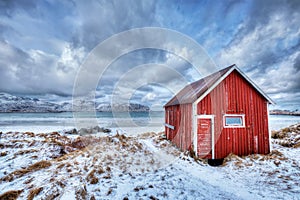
<point x="195" y="90"/>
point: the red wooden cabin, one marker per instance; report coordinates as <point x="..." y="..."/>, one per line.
<point x="220" y="114"/>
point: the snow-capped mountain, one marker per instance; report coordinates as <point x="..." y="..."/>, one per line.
<point x="106" y="107"/>
<point x="11" y="103"/>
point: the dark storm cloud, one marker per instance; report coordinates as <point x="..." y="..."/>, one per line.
<point x="64" y="40"/>
<point x="266" y="46"/>
<point x="43" y="43"/>
<point x="99" y="20"/>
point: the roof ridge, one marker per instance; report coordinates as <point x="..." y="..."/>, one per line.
<point x="193" y="90"/>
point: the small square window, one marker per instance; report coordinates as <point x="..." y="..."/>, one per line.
<point x="234" y="121"/>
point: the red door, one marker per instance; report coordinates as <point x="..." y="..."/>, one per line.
<point x="204" y="138"/>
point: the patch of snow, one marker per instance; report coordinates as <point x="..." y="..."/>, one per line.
<point x="146" y="166"/>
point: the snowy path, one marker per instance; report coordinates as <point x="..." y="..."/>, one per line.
<point x="204" y="182"/>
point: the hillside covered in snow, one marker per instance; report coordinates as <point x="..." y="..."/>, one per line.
<point x="11" y="103"/>
<point x="62" y="165"/>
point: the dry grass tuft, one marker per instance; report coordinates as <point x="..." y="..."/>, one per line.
<point x="41" y="135"/>
<point x="30" y="134"/>
<point x="39" y="165"/>
<point x="81" y="193"/>
<point x="21" y="172"/>
<point x="11" y="195"/>
<point x="22" y="152"/>
<point x="61" y="184"/>
<point x="297" y="145"/>
<point x="275" y="152"/>
<point x="148" y="135"/>
<point x="4" y="153"/>
<point x="83" y="141"/>
<point x="29" y="180"/>
<point x="92" y="178"/>
<point x="121" y="137"/>
<point x="287" y="137"/>
<point x="100" y="170"/>
<point x="20" y="141"/>
<point x="286" y="130"/>
<point x="34" y="192"/>
<point x="92" y="197"/>
<point x="232" y="157"/>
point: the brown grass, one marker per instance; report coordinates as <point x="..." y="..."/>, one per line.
<point x="22" y="152"/>
<point x="238" y="161"/>
<point x="41" y="134"/>
<point x="279" y="134"/>
<point x="60" y="166"/>
<point x="61" y="184"/>
<point x="4" y="153"/>
<point x="100" y="170"/>
<point x="297" y="145"/>
<point x="81" y="193"/>
<point x="92" y="178"/>
<point x="148" y="135"/>
<point x="275" y="152"/>
<point x="15" y="145"/>
<point x="21" y="172"/>
<point x="34" y="192"/>
<point x="23" y="141"/>
<point x="11" y="195"/>
<point x="39" y="165"/>
<point x="286" y="130"/>
<point x="28" y="181"/>
<point x="83" y="141"/>
<point x="92" y="197"/>
<point x="30" y="134"/>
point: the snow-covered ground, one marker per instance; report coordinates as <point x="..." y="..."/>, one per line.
<point x="130" y="166"/>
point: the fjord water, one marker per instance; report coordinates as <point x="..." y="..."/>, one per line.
<point x="65" y="120"/>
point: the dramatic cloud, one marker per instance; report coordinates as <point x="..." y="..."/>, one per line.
<point x="267" y="47"/>
<point x="43" y="44"/>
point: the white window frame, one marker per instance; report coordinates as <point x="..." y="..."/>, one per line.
<point x="234" y="126"/>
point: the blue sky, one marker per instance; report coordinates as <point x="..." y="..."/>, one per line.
<point x="43" y="44"/>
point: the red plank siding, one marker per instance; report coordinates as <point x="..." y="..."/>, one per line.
<point x="182" y="134"/>
<point x="234" y="95"/>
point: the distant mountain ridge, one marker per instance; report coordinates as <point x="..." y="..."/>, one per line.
<point x="133" y="107"/>
<point x="285" y="112"/>
<point x="11" y="103"/>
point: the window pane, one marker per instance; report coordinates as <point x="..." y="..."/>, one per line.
<point x="234" y="121"/>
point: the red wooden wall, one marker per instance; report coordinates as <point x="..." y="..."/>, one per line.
<point x="235" y="95"/>
<point x="180" y="116"/>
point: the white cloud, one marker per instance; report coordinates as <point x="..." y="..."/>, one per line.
<point x="149" y="97"/>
